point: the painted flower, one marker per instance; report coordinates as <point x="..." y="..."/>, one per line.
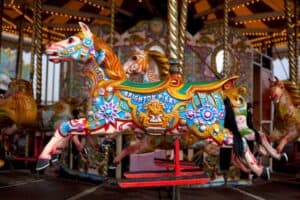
<point x="190" y="114"/>
<point x="221" y="114"/>
<point x="207" y="114"/>
<point x="108" y="112"/>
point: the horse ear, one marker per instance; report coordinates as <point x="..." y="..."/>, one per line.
<point x="270" y="80"/>
<point x="85" y="30"/>
<point x="137" y="49"/>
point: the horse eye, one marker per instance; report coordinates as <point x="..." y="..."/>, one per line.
<point x="70" y="40"/>
<point x="134" y="57"/>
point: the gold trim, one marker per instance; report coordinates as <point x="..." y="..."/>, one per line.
<point x="211" y="87"/>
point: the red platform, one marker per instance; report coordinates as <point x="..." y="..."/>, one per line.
<point x="177" y="176"/>
<point x="164" y="181"/>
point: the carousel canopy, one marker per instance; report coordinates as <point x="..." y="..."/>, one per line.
<point x="257" y="19"/>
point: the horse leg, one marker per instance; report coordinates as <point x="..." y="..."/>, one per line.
<point x="76" y="141"/>
<point x="239" y="164"/>
<point x="59" y="140"/>
<point x="53" y="147"/>
<point x="252" y="163"/>
<point x="291" y="134"/>
<point x="270" y="150"/>
<point x="135" y="147"/>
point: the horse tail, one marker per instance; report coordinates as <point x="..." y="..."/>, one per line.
<point x="230" y="123"/>
<point x="250" y="124"/>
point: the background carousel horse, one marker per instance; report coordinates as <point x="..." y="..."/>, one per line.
<point x="286" y="97"/>
<point x="19" y="99"/>
<point x="16" y="98"/>
<point x="152" y="64"/>
<point x="19" y="106"/>
<point x="192" y="111"/>
<point x="154" y="67"/>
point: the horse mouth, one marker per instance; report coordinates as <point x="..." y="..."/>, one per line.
<point x="53" y="57"/>
<point x="274" y="98"/>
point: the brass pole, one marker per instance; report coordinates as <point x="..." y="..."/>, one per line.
<point x="33" y="42"/>
<point x="296" y="11"/>
<point x="112" y="22"/>
<point x="226" y="32"/>
<point x="182" y="34"/>
<point x="112" y="29"/>
<point x="19" y="63"/>
<point x="290" y="40"/>
<point x="1" y="14"/>
<point x="39" y="50"/>
<point x="173" y="29"/>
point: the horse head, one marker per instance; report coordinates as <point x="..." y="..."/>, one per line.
<point x="277" y="89"/>
<point x="98" y="60"/>
<point x="20" y="85"/>
<point x="152" y="64"/>
<point x="136" y="63"/>
<point x="79" y="47"/>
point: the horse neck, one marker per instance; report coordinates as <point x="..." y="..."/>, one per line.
<point x="152" y="73"/>
<point x="111" y="63"/>
<point x="285" y="103"/>
<point x="93" y="72"/>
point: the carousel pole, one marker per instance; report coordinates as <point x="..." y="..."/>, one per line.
<point x="1" y="14"/>
<point x="112" y="22"/>
<point x="226" y="32"/>
<point x="107" y="147"/>
<point x="39" y="50"/>
<point x="182" y="34"/>
<point x="173" y="35"/>
<point x="175" y="71"/>
<point x="19" y="62"/>
<point x="290" y="40"/>
<point x="296" y="11"/>
<point x="225" y="152"/>
<point x="33" y="44"/>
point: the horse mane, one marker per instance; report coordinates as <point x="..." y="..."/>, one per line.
<point x="162" y="62"/>
<point x="294" y="92"/>
<point x="20" y="85"/>
<point x="111" y="62"/>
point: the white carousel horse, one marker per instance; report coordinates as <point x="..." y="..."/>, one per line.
<point x="154" y="112"/>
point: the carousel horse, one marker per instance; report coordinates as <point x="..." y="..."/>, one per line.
<point x="192" y="111"/>
<point x="152" y="64"/>
<point x="19" y="106"/>
<point x="19" y="99"/>
<point x="16" y="98"/>
<point x="286" y="97"/>
<point x="154" y="67"/>
<point x="54" y="115"/>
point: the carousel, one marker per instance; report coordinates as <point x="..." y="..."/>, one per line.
<point x="141" y="99"/>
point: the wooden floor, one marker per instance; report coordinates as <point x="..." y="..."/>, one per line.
<point x="22" y="185"/>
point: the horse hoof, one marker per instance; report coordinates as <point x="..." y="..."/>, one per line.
<point x="42" y="164"/>
<point x="265" y="175"/>
<point x="54" y="158"/>
<point x="284" y="158"/>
